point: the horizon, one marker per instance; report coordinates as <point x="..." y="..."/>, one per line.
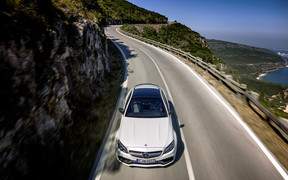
<point x="254" y="23"/>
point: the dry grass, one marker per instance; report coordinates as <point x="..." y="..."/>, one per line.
<point x="270" y="138"/>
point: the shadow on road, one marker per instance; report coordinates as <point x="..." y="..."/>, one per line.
<point x="176" y="126"/>
<point x="124" y="48"/>
<point x="128" y="53"/>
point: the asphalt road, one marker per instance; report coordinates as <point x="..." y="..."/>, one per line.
<point x="212" y="142"/>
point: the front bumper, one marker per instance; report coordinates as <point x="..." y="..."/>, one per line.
<point x="162" y="160"/>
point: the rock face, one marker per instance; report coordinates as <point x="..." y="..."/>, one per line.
<point x="47" y="79"/>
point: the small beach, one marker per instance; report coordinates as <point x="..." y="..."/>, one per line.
<point x="286" y="110"/>
<point x="261" y="75"/>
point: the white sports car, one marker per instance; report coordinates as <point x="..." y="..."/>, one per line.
<point x="146" y="137"/>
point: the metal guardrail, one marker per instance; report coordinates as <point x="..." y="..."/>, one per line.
<point x="227" y="80"/>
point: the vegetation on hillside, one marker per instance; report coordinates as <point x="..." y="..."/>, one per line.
<point x="233" y="53"/>
<point x="245" y="60"/>
<point x="178" y="36"/>
<point x="121" y="11"/>
<point x="245" y="63"/>
<point x="98" y="11"/>
<point x="34" y="16"/>
<point x="273" y="96"/>
<point x="264" y="100"/>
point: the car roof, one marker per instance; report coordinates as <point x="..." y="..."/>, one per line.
<point x="146" y="85"/>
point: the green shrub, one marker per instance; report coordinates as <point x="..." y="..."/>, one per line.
<point x="130" y="29"/>
<point x="277" y="112"/>
<point x="149" y="32"/>
<point x="178" y="36"/>
<point x="120" y="11"/>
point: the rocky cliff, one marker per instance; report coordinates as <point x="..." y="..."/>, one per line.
<point x="50" y="71"/>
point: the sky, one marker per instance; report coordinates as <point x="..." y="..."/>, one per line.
<point x="261" y="23"/>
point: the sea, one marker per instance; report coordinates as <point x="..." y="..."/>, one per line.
<point x="280" y="75"/>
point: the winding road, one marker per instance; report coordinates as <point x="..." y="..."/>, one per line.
<point x="214" y="143"/>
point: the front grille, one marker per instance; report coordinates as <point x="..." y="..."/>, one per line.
<point x="145" y="154"/>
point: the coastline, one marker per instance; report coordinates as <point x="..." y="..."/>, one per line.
<point x="261" y="75"/>
<point x="279" y="76"/>
<point x="264" y="74"/>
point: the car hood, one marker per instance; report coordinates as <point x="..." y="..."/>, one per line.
<point x="146" y="133"/>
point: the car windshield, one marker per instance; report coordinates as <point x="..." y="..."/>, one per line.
<point x="146" y="107"/>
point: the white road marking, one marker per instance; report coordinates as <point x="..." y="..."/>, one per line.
<point x="186" y="153"/>
<point x="104" y="155"/>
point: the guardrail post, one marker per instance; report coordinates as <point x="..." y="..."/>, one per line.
<point x="243" y="87"/>
<point x="254" y="107"/>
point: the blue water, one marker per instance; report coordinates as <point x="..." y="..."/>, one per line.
<point x="278" y="76"/>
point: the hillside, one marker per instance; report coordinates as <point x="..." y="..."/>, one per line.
<point x="245" y="63"/>
<point x="233" y="53"/>
<point x="246" y="60"/>
<point x="56" y="73"/>
<point x="176" y="35"/>
<point x="121" y="11"/>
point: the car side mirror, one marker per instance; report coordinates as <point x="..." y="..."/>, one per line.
<point x="121" y="110"/>
<point x="170" y="111"/>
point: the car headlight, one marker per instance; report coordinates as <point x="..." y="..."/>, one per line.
<point x="121" y="146"/>
<point x="169" y="147"/>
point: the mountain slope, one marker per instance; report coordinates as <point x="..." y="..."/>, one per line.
<point x="245" y="63"/>
<point x="233" y="53"/>
<point x="121" y="11"/>
<point x="245" y="60"/>
<point x="176" y="35"/>
<point x="56" y="72"/>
